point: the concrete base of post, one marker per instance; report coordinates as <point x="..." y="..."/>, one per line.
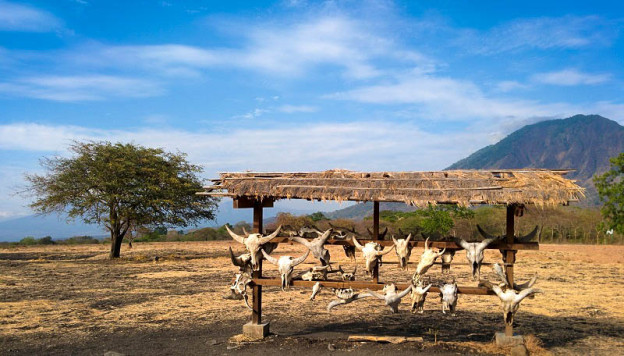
<point x="256" y="331"/>
<point x="505" y="340"/>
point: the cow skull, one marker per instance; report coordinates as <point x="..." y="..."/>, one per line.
<point x="427" y="258"/>
<point x="285" y="266"/>
<point x="391" y="297"/>
<point x="243" y="261"/>
<point x="403" y="250"/>
<point x="418" y="297"/>
<point x="510" y="300"/>
<point x="448" y="295"/>
<point x="447" y="258"/>
<point x="315" y="290"/>
<point x="381" y="236"/>
<point x="474" y="253"/>
<point x="372" y="252"/>
<point x="347" y="276"/>
<point x="345" y="296"/>
<point x="316" y="246"/>
<point x="238" y="288"/>
<point x="253" y="243"/>
<point x="315" y="273"/>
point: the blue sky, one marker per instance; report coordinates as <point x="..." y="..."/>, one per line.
<point x="297" y="85"/>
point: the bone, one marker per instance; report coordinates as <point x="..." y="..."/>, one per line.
<point x="316" y="289"/>
<point x="346" y="296"/>
<point x="381" y="236"/>
<point x="510" y="301"/>
<point x="243" y="262"/>
<point x="474" y="253"/>
<point x="403" y="250"/>
<point x="254" y="242"/>
<point x="316" y="246"/>
<point x="427" y="258"/>
<point x="391" y="297"/>
<point x="372" y="253"/>
<point x="285" y="266"/>
<point x="419" y="294"/>
<point x="448" y="295"/>
<point x="347" y="276"/>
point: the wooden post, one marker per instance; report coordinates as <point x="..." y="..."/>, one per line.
<point x="510" y="255"/>
<point x="376" y="237"/>
<point x="256" y="313"/>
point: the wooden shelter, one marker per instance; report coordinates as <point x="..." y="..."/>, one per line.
<point x="513" y="188"/>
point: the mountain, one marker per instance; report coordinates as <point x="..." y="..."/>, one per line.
<point x="582" y="142"/>
<point x="362" y="210"/>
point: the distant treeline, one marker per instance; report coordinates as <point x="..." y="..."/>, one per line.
<point x="556" y="225"/>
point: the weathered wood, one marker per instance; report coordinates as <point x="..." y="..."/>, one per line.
<point x="246" y="202"/>
<point x="376" y="237"/>
<point x="384" y="339"/>
<point x="510" y="255"/>
<point x="256" y="313"/>
<point x="276" y="282"/>
<point x="496" y="187"/>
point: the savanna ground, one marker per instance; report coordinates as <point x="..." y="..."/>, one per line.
<point x="72" y="300"/>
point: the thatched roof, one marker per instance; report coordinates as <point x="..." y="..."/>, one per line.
<point x="463" y="187"/>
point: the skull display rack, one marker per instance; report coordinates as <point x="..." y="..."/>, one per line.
<point x="512" y="188"/>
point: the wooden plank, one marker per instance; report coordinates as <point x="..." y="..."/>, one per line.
<point x="384" y="339"/>
<point x="376" y="237"/>
<point x="246" y="202"/>
<point x="510" y="254"/>
<point x="256" y="313"/>
<point x="276" y="282"/>
<point x="495" y="187"/>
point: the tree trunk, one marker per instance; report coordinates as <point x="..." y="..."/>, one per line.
<point x="116" y="240"/>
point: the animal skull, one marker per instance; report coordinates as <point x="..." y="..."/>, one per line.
<point x="243" y="261"/>
<point x="419" y="294"/>
<point x="316" y="246"/>
<point x="427" y="258"/>
<point x="347" y="276"/>
<point x="315" y="290"/>
<point x="381" y="236"/>
<point x="510" y="300"/>
<point x="447" y="258"/>
<point x="349" y="251"/>
<point x="253" y="243"/>
<point x="448" y="295"/>
<point x="403" y="250"/>
<point x="391" y="297"/>
<point x="372" y="252"/>
<point x="285" y="266"/>
<point x="345" y="296"/>
<point x="239" y="288"/>
<point x="315" y="273"/>
<point x="474" y="254"/>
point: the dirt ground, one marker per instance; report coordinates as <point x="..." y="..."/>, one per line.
<point x="72" y="300"/>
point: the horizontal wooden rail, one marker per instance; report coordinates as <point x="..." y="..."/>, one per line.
<point x="264" y="281"/>
<point x="499" y="245"/>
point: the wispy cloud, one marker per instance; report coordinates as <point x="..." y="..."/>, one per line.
<point x="541" y="33"/>
<point x="23" y="18"/>
<point x="80" y="88"/>
<point x="290" y="109"/>
<point x="570" y="77"/>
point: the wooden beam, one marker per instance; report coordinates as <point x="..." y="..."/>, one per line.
<point x="248" y="202"/>
<point x="496" y="187"/>
<point x="276" y="282"/>
<point x="256" y="312"/>
<point x="376" y="238"/>
<point x="510" y="255"/>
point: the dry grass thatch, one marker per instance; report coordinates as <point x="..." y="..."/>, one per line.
<point x="463" y="187"/>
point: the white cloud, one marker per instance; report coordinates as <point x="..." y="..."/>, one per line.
<point x="290" y="109"/>
<point x="570" y="77"/>
<point x="543" y="33"/>
<point x="80" y="88"/>
<point x="509" y="85"/>
<point x="17" y="17"/>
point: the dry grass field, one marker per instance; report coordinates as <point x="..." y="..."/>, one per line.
<point x="72" y="300"/>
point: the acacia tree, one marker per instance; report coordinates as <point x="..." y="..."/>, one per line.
<point x="610" y="186"/>
<point x="120" y="186"/>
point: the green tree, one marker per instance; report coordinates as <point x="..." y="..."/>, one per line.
<point x="119" y="186"/>
<point x="610" y="186"/>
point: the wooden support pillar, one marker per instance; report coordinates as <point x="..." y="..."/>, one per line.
<point x="509" y="256"/>
<point x="256" y="313"/>
<point x="376" y="237"/>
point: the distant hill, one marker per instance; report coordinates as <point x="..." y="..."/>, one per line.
<point x="582" y="142"/>
<point x="362" y="210"/>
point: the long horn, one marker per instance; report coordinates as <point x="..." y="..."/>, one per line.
<point x="485" y="234"/>
<point x="530" y="236"/>
<point x="384" y="252"/>
<point x="426" y="289"/>
<point x="462" y="243"/>
<point x="426" y="243"/>
<point x="525" y="293"/>
<point x="238" y="238"/>
<point x="526" y="284"/>
<point x="235" y="260"/>
<point x="499" y="272"/>
<point x="325" y="235"/>
<point x="270" y="258"/>
<point x="394" y="240"/>
<point x="408" y="238"/>
<point x="383" y="234"/>
<point x="440" y="253"/>
<point x="357" y="244"/>
<point x="265" y="239"/>
<point x="299" y="260"/>
<point x="245" y="231"/>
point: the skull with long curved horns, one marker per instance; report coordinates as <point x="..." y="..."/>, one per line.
<point x="253" y="242"/>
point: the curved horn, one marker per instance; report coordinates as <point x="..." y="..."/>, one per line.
<point x="235" y="260"/>
<point x="238" y="238"/>
<point x="325" y="235"/>
<point x="440" y="253"/>
<point x="383" y="234"/>
<point x="530" y="236"/>
<point x="407" y="239"/>
<point x="526" y="284"/>
<point x="485" y="234"/>
<point x="462" y="243"/>
<point x="384" y="252"/>
<point x="300" y="240"/>
<point x="299" y="260"/>
<point x="270" y="258"/>
<point x="369" y="232"/>
<point x="426" y="289"/>
<point x="265" y="239"/>
<point x="245" y="231"/>
<point x="525" y="293"/>
<point x="426" y="243"/>
<point x="357" y="244"/>
<point x="499" y="272"/>
<point x="355" y="269"/>
<point x="394" y="240"/>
